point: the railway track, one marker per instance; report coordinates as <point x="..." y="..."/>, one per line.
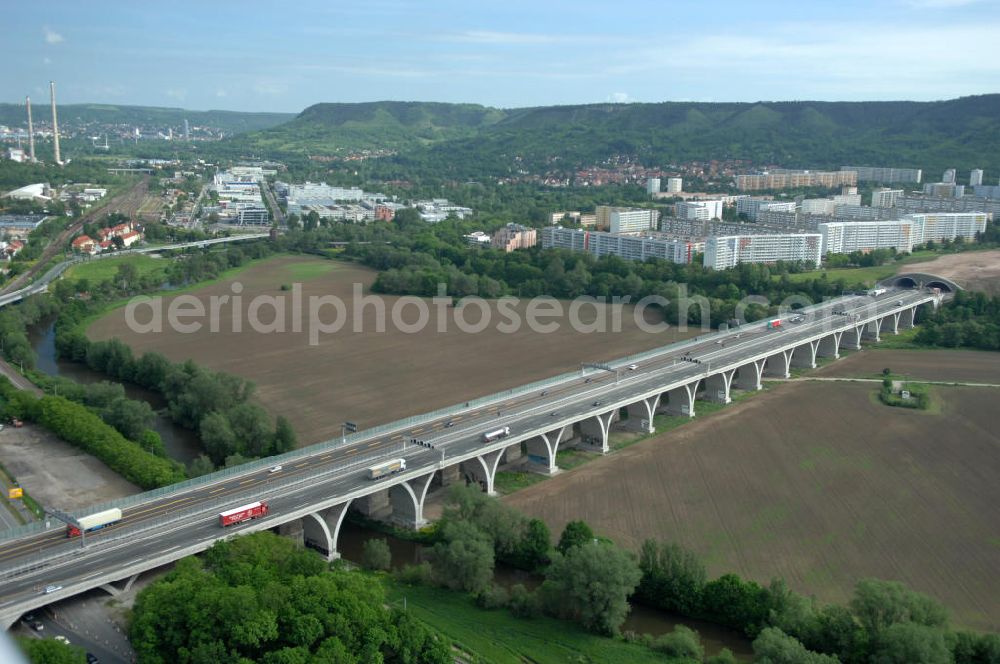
<point x="127" y="203"/>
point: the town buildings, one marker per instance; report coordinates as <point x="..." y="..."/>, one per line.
<point x="887" y="175"/>
<point x="789" y="179"/>
<point x="515" y="236"/>
<point x="703" y="210"/>
<point x="629" y="247"/>
<point x="723" y="252"/>
<point x="885" y="197"/>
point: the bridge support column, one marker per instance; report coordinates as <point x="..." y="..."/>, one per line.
<point x="594" y="431"/>
<point x="483" y="469"/>
<point x="680" y="400"/>
<point x="804" y="355"/>
<point x="292" y="530"/>
<point x="511" y="454"/>
<point x="829" y="346"/>
<point x="777" y="365"/>
<point x="449" y="475"/>
<point x="542" y="451"/>
<point x="717" y="386"/>
<point x="407" y="500"/>
<point x="640" y="414"/>
<point x="908" y="318"/>
<point x="852" y="338"/>
<point x="748" y="376"/>
<point x="373" y="504"/>
<point x="871" y="330"/>
<point x="890" y="323"/>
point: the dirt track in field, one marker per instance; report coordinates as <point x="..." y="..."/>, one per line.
<point x="969" y="366"/>
<point x="372" y="377"/>
<point x="818" y="484"/>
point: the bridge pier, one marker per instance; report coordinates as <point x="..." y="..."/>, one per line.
<point x="748" y="376"/>
<point x="852" y="338"/>
<point x="829" y="346"/>
<point x="889" y="323"/>
<point x="642" y="412"/>
<point x="777" y="365"/>
<point x="908" y="318"/>
<point x="680" y="400"/>
<point x="321" y="530"/>
<point x="511" y="454"/>
<point x="114" y="591"/>
<point x="293" y="530"/>
<point x="407" y="500"/>
<point x="594" y="431"/>
<point x="542" y="450"/>
<point x="483" y="469"/>
<point x="717" y="387"/>
<point x="871" y="330"/>
<point x="374" y="504"/>
<point x="804" y="355"/>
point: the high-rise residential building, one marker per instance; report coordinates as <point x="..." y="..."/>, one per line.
<point x="885" y="197"/>
<point x="887" y="175"/>
<point x="844" y="237"/>
<point x="653" y="186"/>
<point x="675" y="185"/>
<point x="631" y="220"/>
<point x="944" y="189"/>
<point x="751" y="207"/>
<point x="788" y="179"/>
<point x="948" y="225"/>
<point x="629" y="247"/>
<point x="976" y="177"/>
<point x="515" y="236"/>
<point x="949" y="176"/>
<point x="726" y="251"/>
<point x="919" y="204"/>
<point x="701" y="210"/>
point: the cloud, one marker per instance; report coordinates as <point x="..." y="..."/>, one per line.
<point x="221" y="93"/>
<point x="176" y="93"/>
<point x="619" y="98"/>
<point x="51" y="36"/>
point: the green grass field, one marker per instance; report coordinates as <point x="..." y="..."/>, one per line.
<point x="498" y="637"/>
<point x="868" y="275"/>
<point x="100" y="270"/>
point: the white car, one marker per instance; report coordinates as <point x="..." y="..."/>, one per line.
<point x="61" y="639"/>
<point x="51" y="589"/>
<point x="633" y="367"/>
<point x="275" y="469"/>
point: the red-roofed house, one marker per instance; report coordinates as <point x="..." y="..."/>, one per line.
<point x="130" y="238"/>
<point x="105" y="244"/>
<point x="85" y="245"/>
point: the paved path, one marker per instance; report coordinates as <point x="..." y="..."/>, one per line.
<point x="879" y="380"/>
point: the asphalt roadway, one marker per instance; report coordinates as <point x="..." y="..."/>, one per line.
<point x="177" y="520"/>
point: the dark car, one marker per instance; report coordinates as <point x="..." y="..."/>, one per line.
<point x="92" y="658"/>
<point x="598" y="403"/>
<point x="449" y="423"/>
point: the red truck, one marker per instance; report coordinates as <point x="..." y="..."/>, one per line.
<point x="243" y="513"/>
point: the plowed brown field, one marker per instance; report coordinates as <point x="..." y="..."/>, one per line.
<point x="818" y="484"/>
<point x="372" y="377"/>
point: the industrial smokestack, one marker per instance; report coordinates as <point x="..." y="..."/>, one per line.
<point x="55" y="122"/>
<point x="31" y="131"/>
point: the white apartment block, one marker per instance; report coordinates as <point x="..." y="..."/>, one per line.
<point x="699" y="210"/>
<point x="885" y="197"/>
<point x="726" y="251"/>
<point x="824" y="206"/>
<point x="886" y="175"/>
<point x="845" y="237"/>
<point x="632" y="220"/>
<point x="653" y="186"/>
<point x="948" y="225"/>
<point x="751" y="207"/>
<point x="629" y="247"/>
<point x="675" y="185"/>
<point x="976" y="177"/>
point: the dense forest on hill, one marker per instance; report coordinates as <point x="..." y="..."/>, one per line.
<point x="464" y="140"/>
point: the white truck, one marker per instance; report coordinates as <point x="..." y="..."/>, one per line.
<point x="387" y="468"/>
<point x="496" y="434"/>
<point x="93" y="522"/>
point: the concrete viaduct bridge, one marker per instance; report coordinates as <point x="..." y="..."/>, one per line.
<point x="317" y="485"/>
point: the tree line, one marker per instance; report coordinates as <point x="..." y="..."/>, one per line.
<point x="970" y="320"/>
<point x="589" y="579"/>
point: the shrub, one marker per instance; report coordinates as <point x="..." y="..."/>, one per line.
<point x="495" y="597"/>
<point x="375" y="555"/>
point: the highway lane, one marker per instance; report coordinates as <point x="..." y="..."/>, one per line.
<point x="468" y="426"/>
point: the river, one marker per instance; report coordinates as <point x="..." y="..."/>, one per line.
<point x="180" y="444"/>
<point x="641" y="620"/>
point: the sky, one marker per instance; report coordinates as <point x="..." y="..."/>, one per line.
<point x="259" y="56"/>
